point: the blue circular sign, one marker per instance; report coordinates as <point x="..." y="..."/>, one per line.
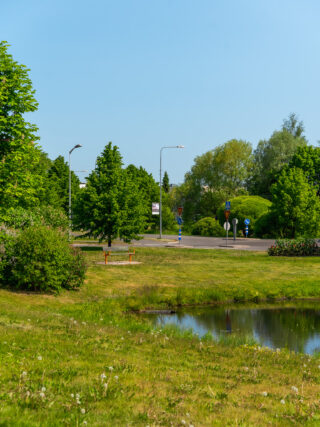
<point x="247" y="221"/>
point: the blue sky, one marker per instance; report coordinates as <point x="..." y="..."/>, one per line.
<point x="145" y="74"/>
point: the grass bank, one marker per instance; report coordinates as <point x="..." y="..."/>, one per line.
<point x="78" y="359"/>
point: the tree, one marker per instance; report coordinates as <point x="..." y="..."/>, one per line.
<point x="215" y="176"/>
<point x="165" y="183"/>
<point x="307" y="158"/>
<point x="110" y="206"/>
<point x="295" y="205"/>
<point x="16" y="98"/>
<point x="271" y="155"/>
<point x="21" y="178"/>
<point x="57" y="192"/>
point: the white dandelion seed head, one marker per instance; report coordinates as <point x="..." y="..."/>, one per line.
<point x="43" y="389"/>
<point x="42" y="395"/>
<point x="24" y="374"/>
<point x="295" y="389"/>
<point x="183" y="422"/>
<point x="105" y="385"/>
<point x="28" y="393"/>
<point x="110" y="368"/>
<point x="72" y="395"/>
<point x="264" y="393"/>
<point x="84" y="423"/>
<point x="116" y="377"/>
<point x="282" y="401"/>
<point x="83" y="411"/>
<point x="78" y="396"/>
<point x="103" y="376"/>
<point x="39" y="357"/>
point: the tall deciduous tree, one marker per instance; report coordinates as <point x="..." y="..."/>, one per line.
<point x="270" y="156"/>
<point x="295" y="205"/>
<point x="110" y="206"/>
<point x="21" y="178"/>
<point x="215" y="176"/>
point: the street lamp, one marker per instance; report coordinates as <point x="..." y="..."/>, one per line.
<point x="162" y="148"/>
<point x="70" y="219"/>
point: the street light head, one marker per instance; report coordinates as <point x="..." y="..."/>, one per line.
<point x="180" y="146"/>
<point x="77" y="146"/>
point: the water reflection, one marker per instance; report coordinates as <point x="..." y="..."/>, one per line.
<point x="296" y="328"/>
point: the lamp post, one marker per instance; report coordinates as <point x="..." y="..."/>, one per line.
<point x="70" y="218"/>
<point x="162" y="148"/>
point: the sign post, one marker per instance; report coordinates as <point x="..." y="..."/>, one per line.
<point x="247" y="222"/>
<point x="226" y="215"/>
<point x="234" y="227"/>
<point x="179" y="221"/>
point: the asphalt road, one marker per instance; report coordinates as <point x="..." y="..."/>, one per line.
<point x="204" y="242"/>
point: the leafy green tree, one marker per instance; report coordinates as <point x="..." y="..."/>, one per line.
<point x="165" y="182"/>
<point x="57" y="191"/>
<point x="16" y="99"/>
<point x="307" y="158"/>
<point x="270" y="156"/>
<point x="215" y="176"/>
<point x="295" y="205"/>
<point x="21" y="178"/>
<point x="110" y="206"/>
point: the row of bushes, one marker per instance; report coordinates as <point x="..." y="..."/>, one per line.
<point x="294" y="247"/>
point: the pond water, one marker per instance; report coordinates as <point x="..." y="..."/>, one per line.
<point x="276" y="326"/>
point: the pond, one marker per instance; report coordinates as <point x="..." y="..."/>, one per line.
<point x="295" y="327"/>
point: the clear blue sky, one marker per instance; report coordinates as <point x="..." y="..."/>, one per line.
<point x="148" y="73"/>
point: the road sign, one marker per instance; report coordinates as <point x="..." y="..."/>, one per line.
<point x="247" y="221"/>
<point x="226" y="226"/>
<point x="235" y="221"/>
<point x="228" y="206"/>
<point x="155" y="209"/>
<point x="226" y="215"/>
<point x="180" y="209"/>
<point x="179" y="220"/>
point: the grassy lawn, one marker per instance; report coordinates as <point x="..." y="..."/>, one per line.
<point x="84" y="358"/>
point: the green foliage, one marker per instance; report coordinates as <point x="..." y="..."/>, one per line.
<point x="57" y="184"/>
<point x="40" y="259"/>
<point x="270" y="156"/>
<point x="308" y="160"/>
<point x="215" y="175"/>
<point x="266" y="226"/>
<point x="165" y="182"/>
<point x="16" y="98"/>
<point x="242" y="207"/>
<point x="110" y="206"/>
<point x="295" y="204"/>
<point x="294" y="247"/>
<point x="20" y="218"/>
<point x="21" y="178"/>
<point x="208" y="227"/>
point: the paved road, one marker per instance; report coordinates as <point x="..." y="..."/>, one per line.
<point x="205" y="242"/>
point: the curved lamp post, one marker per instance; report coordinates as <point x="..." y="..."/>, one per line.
<point x="70" y="214"/>
<point x="162" y="148"/>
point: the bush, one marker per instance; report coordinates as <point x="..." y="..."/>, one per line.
<point x="20" y="218"/>
<point x="242" y="207"/>
<point x="294" y="247"/>
<point x="266" y="226"/>
<point x="208" y="227"/>
<point x="40" y="259"/>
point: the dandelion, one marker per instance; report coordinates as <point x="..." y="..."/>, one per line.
<point x="43" y="389"/>
<point x="282" y="401"/>
<point x="42" y="395"/>
<point x="264" y="393"/>
<point x="304" y="365"/>
<point x="84" y="423"/>
<point x="103" y="376"/>
<point x="72" y="395"/>
<point x="75" y="322"/>
<point x="77" y="396"/>
<point x="110" y="368"/>
<point x="293" y="388"/>
<point x="24" y="374"/>
<point x="78" y="402"/>
<point x="83" y="411"/>
<point x="116" y="377"/>
<point x="105" y="385"/>
<point x="183" y="422"/>
<point x="122" y="338"/>
<point x="39" y="357"/>
<point x="28" y="393"/>
<point x="187" y="414"/>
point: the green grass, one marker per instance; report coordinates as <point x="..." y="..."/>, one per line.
<point x="127" y="372"/>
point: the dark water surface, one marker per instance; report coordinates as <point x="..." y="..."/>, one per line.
<point x="296" y="327"/>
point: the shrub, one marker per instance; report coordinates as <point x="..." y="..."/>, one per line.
<point x="208" y="227"/>
<point x="40" y="259"/>
<point x="294" y="247"/>
<point x="20" y="218"/>
<point x="266" y="226"/>
<point x="242" y="207"/>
